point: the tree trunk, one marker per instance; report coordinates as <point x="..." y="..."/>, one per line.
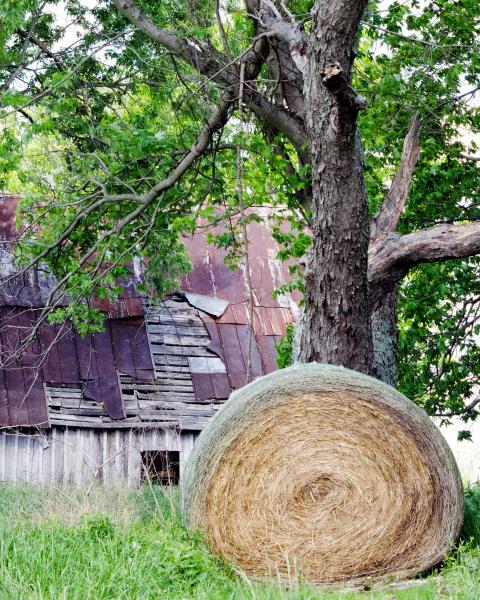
<point x="385" y="339"/>
<point x="335" y="327"/>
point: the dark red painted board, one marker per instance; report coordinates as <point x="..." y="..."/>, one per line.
<point x="249" y="349"/>
<point x="231" y="348"/>
<point x="202" y="386"/>
<point x="221" y="385"/>
<point x="266" y="345"/>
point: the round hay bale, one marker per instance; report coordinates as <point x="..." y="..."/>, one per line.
<point x="324" y="473"/>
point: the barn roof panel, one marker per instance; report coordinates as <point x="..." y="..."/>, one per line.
<point x="201" y="350"/>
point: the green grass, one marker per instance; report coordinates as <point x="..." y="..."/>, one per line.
<point x="63" y="544"/>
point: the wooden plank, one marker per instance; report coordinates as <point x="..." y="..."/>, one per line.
<point x="195" y="329"/>
<point x="61" y="392"/>
<point x="74" y="419"/>
<point x="166" y="396"/>
<point x="172" y="376"/>
<point x="187" y="439"/>
<point x="168" y="364"/>
<point x="58" y="460"/>
<point x="188" y="423"/>
<point x="158" y="386"/>
<point x="179" y="340"/>
<point x="133" y="461"/>
<point x="161" y="350"/>
<point x="172" y="387"/>
<point x="164" y="415"/>
<point x="83" y="412"/>
<point x="11" y="451"/>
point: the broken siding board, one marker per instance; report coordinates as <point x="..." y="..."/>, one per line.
<point x="177" y="340"/>
<point x="175" y="329"/>
<point x="181" y="397"/>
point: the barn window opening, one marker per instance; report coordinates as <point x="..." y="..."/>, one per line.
<point x="161" y="467"/>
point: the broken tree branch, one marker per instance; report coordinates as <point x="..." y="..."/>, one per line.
<point x="389" y="214"/>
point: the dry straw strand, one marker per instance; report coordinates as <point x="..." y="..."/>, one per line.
<point x="327" y="473"/>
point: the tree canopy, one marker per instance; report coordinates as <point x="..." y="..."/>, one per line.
<point x="122" y="123"/>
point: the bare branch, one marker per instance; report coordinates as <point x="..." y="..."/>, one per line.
<point x="470" y="158"/>
<point x="412" y="39"/>
<point x="466" y="409"/>
<point x="391" y="258"/>
<point x="221" y="30"/>
<point x="290" y="32"/>
<point x="209" y="64"/>
<point x="216" y="66"/>
<point x="387" y="218"/>
<point x="216" y="121"/>
<point x="43" y="47"/>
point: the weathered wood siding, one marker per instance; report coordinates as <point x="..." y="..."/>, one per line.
<point x="78" y="456"/>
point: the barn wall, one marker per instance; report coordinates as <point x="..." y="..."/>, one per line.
<point x="78" y="456"/>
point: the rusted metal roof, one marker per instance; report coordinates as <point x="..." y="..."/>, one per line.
<point x="193" y="349"/>
<point x="60" y="356"/>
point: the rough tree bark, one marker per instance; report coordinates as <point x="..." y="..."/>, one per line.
<point x="335" y="326"/>
<point x="385" y="339"/>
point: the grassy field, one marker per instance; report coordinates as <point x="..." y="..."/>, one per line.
<point x="63" y="544"/>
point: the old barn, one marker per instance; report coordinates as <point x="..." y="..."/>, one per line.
<point x="126" y="404"/>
